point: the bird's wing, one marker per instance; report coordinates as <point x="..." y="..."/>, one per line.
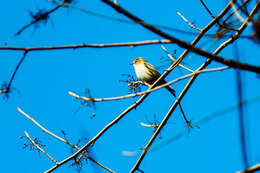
<point x="152" y="70"/>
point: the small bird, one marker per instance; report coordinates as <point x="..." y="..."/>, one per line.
<point x="148" y="74"/>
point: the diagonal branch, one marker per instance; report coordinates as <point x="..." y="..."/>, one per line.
<point x="241" y="112"/>
<point x="183" y="44"/>
<point x="7" y="89"/>
<point x="108" y="126"/>
<point x="37" y="146"/>
<point x="191" y="25"/>
<point x="203" y="32"/>
<point x="221" y="25"/>
<point x="26" y="50"/>
<point x="63" y="140"/>
<point x="171" y="57"/>
<point x="37" y="19"/>
<point x="188" y="85"/>
<point x="87" y="99"/>
<point x="251" y="169"/>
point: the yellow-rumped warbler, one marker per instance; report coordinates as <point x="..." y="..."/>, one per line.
<point x="148" y="74"/>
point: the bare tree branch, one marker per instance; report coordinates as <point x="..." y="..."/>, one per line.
<point x="109" y="45"/>
<point x="251" y="169"/>
<point x="170" y="56"/>
<point x="149" y="90"/>
<point x="241" y="115"/>
<point x="203" y="66"/>
<point x="63" y="140"/>
<point x="7" y="89"/>
<point x="37" y="146"/>
<point x="191" y="25"/>
<point x="221" y="25"/>
<point x="42" y="16"/>
<point x="183" y="44"/>
<point x="144" y="96"/>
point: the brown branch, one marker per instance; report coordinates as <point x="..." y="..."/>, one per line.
<point x="191" y="25"/>
<point x="243" y="9"/>
<point x="61" y="139"/>
<point x="147" y="91"/>
<point x="7" y="89"/>
<point x="203" y="66"/>
<point x="238" y="15"/>
<point x="124" y="20"/>
<point x="183" y="44"/>
<point x="241" y="112"/>
<point x="144" y="96"/>
<point x="109" y="45"/>
<point x="99" y="134"/>
<point x="66" y="5"/>
<point x="173" y="59"/>
<point x="205" y="6"/>
<point x="251" y="169"/>
<point x="234" y="12"/>
<point x="206" y="119"/>
<point x="37" y="20"/>
<point x="221" y="25"/>
<point x="26" y="50"/>
<point x="37" y="146"/>
<point x="119" y="117"/>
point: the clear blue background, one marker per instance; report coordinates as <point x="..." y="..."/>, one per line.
<point x="45" y="77"/>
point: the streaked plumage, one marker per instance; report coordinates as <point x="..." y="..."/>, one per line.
<point x="148" y="74"/>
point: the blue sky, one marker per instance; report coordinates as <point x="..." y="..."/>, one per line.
<point x="45" y="78"/>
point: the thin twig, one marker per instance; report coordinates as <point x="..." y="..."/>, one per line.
<point x="147" y="91"/>
<point x="144" y="96"/>
<point x="37" y="146"/>
<point x="191" y="25"/>
<point x="241" y="115"/>
<point x="238" y="14"/>
<point x="206" y="119"/>
<point x="203" y="66"/>
<point x="183" y="44"/>
<point x="149" y="125"/>
<point x="63" y="140"/>
<point x="119" y="117"/>
<point x="243" y="9"/>
<point x="231" y="14"/>
<point x="136" y="166"/>
<point x="7" y="89"/>
<point x="221" y="25"/>
<point x="26" y="50"/>
<point x="109" y="45"/>
<point x="104" y="16"/>
<point x="173" y="59"/>
<point x="42" y="128"/>
<point x="205" y="6"/>
<point x="251" y="169"/>
<point x="37" y="20"/>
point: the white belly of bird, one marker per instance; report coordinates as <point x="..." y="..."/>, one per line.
<point x="142" y="72"/>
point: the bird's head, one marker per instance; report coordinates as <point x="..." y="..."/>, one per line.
<point x="138" y="61"/>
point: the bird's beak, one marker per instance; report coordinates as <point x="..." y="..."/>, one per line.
<point x="131" y="63"/>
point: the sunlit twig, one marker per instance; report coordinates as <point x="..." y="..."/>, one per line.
<point x="37" y="146"/>
<point x="63" y="140"/>
<point x="148" y="91"/>
<point x="191" y="25"/>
